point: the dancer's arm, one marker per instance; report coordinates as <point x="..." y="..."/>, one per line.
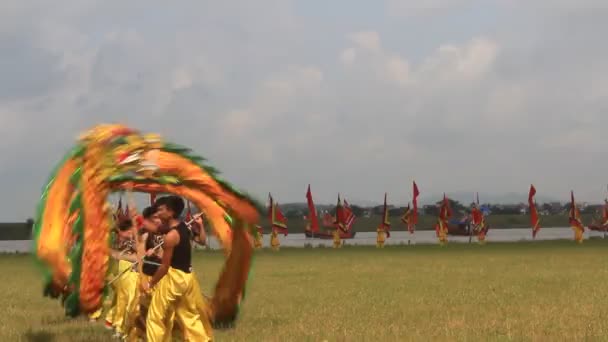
<point x="201" y="238"/>
<point x="171" y="240"/>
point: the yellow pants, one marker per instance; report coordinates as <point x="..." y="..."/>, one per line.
<point x="138" y="311"/>
<point x="175" y="292"/>
<point x="443" y="237"/>
<point x="125" y="294"/>
<point x="95" y="315"/>
<point x="274" y="243"/>
<point x="578" y="235"/>
<point x="113" y="272"/>
<point x="380" y="240"/>
<point x="257" y="243"/>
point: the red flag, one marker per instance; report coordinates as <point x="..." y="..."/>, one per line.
<point x="415" y="203"/>
<point x="534" y="220"/>
<point x="407" y="219"/>
<point x="477" y="216"/>
<point x="386" y="224"/>
<point x="278" y="221"/>
<point x="328" y="220"/>
<point x="349" y="216"/>
<point x="445" y="212"/>
<point x="532" y="192"/>
<point x="575" y="214"/>
<point x="339" y="222"/>
<point x="312" y="212"/>
<point x="605" y="213"/>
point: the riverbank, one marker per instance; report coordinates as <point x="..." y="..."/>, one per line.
<point x="295" y="240"/>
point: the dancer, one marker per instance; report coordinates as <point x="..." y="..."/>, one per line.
<point x="274" y="240"/>
<point x="124" y="286"/>
<point x="337" y="239"/>
<point x="258" y="235"/>
<point x="173" y="284"/>
<point x="147" y="248"/>
<point x="380" y="237"/>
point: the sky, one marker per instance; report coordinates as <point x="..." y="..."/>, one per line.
<point x="354" y="97"/>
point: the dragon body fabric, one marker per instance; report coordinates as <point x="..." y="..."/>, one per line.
<point x="74" y="219"/>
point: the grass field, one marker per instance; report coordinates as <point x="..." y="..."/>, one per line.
<point x="548" y="291"/>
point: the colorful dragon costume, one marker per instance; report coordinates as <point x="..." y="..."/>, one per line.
<point x="74" y="219"/>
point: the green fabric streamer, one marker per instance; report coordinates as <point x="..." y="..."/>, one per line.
<point x="38" y="221"/>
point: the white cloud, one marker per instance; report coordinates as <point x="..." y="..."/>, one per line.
<point x="278" y="99"/>
<point x="368" y="40"/>
<point x="348" y="56"/>
<point x="413" y="8"/>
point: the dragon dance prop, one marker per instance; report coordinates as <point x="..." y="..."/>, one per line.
<point x="74" y="219"/>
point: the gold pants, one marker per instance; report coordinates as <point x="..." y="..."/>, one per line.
<point x="95" y="315"/>
<point x="175" y="292"/>
<point x="274" y="243"/>
<point x="380" y="240"/>
<point x="112" y="272"/>
<point x="138" y="312"/>
<point x="125" y="294"/>
<point x="578" y="235"/>
<point x="257" y="243"/>
<point x="443" y="238"/>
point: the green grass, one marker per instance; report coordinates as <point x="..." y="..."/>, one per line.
<point x="550" y="291"/>
<point x="427" y="222"/>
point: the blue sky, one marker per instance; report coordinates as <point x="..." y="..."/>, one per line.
<point x="356" y="97"/>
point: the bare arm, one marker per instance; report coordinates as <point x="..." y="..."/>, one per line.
<point x="171" y="240"/>
<point x="201" y="238"/>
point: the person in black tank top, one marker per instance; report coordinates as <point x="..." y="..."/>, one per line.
<point x="152" y="261"/>
<point x="173" y="283"/>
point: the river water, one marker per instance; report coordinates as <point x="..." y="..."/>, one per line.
<point x="369" y="238"/>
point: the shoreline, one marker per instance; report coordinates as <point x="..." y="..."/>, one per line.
<point x="398" y="238"/>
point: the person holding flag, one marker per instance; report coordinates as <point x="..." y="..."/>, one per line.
<point x="441" y="229"/>
<point x="575" y="220"/>
<point x="258" y="234"/>
<point x="274" y="240"/>
<point x="383" y="230"/>
<point x="337" y="239"/>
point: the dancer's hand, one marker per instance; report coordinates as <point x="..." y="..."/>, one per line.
<point x="145" y="287"/>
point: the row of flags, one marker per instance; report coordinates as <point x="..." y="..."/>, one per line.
<point x="574" y="215"/>
<point x="123" y="213"/>
<point x="345" y="217"/>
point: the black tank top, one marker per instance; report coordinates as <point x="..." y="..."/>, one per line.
<point x="152" y="241"/>
<point x="182" y="253"/>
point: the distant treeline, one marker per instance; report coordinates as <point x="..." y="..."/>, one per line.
<point x="16" y="230"/>
<point x="368" y="218"/>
